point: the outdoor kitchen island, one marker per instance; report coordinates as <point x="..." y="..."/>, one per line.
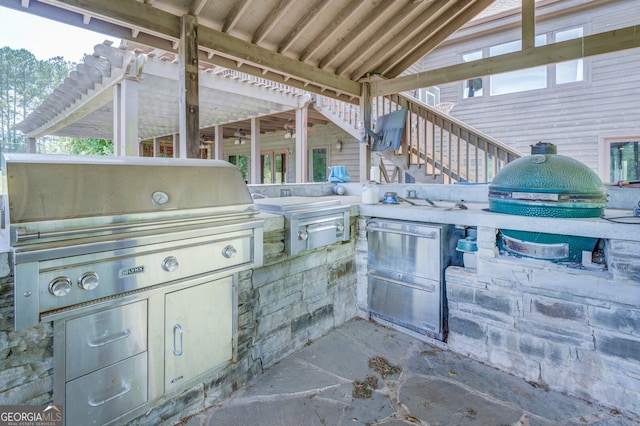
<point x="566" y="327"/>
<point x="569" y="329"/>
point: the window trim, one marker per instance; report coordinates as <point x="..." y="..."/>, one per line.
<point x="604" y="169"/>
<point x="550" y="69"/>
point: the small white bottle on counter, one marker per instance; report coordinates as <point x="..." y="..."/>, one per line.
<point x="370" y="193"/>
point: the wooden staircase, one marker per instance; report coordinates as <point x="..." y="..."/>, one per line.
<point x="436" y="148"/>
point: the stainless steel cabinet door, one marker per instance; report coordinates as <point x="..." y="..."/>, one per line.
<point x="198" y="330"/>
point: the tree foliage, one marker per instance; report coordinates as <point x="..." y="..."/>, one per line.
<point x="77" y="146"/>
<point x="25" y="82"/>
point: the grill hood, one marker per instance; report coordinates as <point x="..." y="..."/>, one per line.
<point x="547" y="184"/>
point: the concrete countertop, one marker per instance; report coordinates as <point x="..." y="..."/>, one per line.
<point x="477" y="214"/>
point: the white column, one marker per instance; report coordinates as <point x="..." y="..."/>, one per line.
<point x="302" y="164"/>
<point x="218" y="143"/>
<point x="156" y="147"/>
<point x="32" y="146"/>
<point x="125" y="118"/>
<point x="176" y="146"/>
<point x="365" y="113"/>
<point x="256" y="164"/>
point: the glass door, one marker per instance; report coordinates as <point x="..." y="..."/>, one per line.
<point x="318" y="164"/>
<point x="274" y="166"/>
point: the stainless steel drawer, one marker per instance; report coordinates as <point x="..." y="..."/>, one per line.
<point x="415" y="305"/>
<point x="409" y="247"/>
<point x="98" y="340"/>
<point x="108" y="393"/>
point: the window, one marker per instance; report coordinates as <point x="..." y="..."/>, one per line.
<point x="318" y="165"/>
<point x="623" y="156"/>
<point x="473" y="87"/>
<point x="528" y="79"/>
<point x="242" y="162"/>
<point x="517" y="81"/>
<point x="570" y="71"/>
<point x="273" y="166"/>
<point x="429" y="95"/>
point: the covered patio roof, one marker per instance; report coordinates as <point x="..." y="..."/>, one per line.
<point x="82" y="106"/>
<point x="320" y="46"/>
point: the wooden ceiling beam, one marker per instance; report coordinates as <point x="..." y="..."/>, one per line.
<point x="270" y="21"/>
<point x="431" y="37"/>
<point x="596" y="44"/>
<point x="426" y="16"/>
<point x="373" y="42"/>
<point x="327" y="33"/>
<point x="234" y="15"/>
<point x="301" y="25"/>
<point x="165" y="25"/>
<point x="351" y="36"/>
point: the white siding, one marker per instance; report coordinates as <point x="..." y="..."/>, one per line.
<point x="318" y="137"/>
<point x="573" y="116"/>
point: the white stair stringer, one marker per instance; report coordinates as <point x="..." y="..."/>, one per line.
<point x="390" y="160"/>
<point x="338" y="120"/>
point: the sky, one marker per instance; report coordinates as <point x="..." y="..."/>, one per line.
<point x="51" y="38"/>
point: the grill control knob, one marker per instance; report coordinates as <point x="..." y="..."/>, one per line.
<point x="88" y="281"/>
<point x="60" y="286"/>
<point x="340" y="226"/>
<point x="303" y="235"/>
<point x="229" y="251"/>
<point x="170" y="264"/>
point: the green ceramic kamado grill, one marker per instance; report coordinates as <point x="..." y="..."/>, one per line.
<point x="545" y="184"/>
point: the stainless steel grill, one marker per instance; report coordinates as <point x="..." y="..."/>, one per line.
<point x="88" y="229"/>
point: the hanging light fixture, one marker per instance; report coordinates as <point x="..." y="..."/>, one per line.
<point x="240" y="136"/>
<point x="289" y="129"/>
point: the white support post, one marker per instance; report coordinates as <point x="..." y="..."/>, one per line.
<point x="365" y="113"/>
<point x="125" y="118"/>
<point x="302" y="164"/>
<point x="256" y="164"/>
<point x="218" y="143"/>
<point x="156" y="147"/>
<point x="176" y="146"/>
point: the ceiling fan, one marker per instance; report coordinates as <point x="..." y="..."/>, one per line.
<point x="240" y="135"/>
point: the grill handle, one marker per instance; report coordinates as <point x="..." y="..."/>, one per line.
<point x="20" y="233"/>
<point x="431" y="235"/>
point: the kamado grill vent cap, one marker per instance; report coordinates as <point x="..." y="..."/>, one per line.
<point x="547" y="184"/>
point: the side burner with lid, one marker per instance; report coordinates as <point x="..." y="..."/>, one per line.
<point x="310" y="222"/>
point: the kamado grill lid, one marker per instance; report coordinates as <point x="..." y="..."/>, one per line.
<point x="547" y="184"/>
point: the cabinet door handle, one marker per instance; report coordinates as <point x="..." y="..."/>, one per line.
<point x="178" y="329"/>
<point x="428" y="288"/>
<point x="123" y="391"/>
<point x="432" y="235"/>
<point x="110" y="339"/>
